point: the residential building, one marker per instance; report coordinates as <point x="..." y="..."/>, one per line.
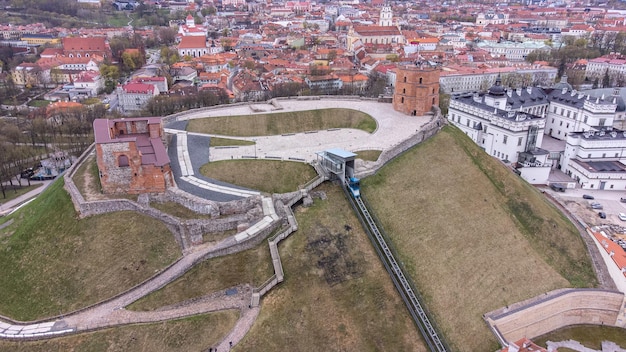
<point x="135" y="96"/>
<point x="459" y="79"/>
<point x="614" y="65"/>
<point x="131" y="155"/>
<point x="324" y="83"/>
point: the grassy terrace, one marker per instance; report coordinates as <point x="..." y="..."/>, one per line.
<point x="223" y="142"/>
<point x="197" y="333"/>
<point x="471" y="233"/>
<point x="253" y="266"/>
<point x="268" y="176"/>
<point x="368" y="155"/>
<point x="336" y="295"/>
<point x="285" y="122"/>
<point x="54" y="263"/>
<point x="590" y="336"/>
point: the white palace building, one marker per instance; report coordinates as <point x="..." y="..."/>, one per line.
<point x="512" y="124"/>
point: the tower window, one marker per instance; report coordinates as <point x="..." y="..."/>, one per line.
<point x="420" y="80"/>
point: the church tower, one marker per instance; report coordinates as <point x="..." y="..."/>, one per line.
<point x="386" y="16"/>
<point x="417" y="89"/>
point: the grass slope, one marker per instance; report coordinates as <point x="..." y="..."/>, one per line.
<point x="53" y="263"/>
<point x="271" y="176"/>
<point x="284" y="122"/>
<point x="197" y="333"/>
<point x="253" y="266"/>
<point x="473" y="235"/>
<point x="336" y="295"/>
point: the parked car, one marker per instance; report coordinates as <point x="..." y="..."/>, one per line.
<point x="602" y="215"/>
<point x="558" y="187"/>
<point x="622" y="216"/>
<point x="596" y="205"/>
<point x="588" y="196"/>
<point x="623" y="200"/>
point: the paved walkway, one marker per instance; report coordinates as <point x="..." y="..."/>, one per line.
<point x="393" y="128"/>
<point x="8" y="206"/>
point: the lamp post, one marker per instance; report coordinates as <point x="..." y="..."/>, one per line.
<point x="254" y="148"/>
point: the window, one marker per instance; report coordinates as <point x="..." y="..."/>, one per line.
<point x="122" y="161"/>
<point x="561" y="111"/>
<point x="519" y="141"/>
<point x="402" y="100"/>
<point x="586" y="118"/>
<point x="611" y="187"/>
<point x="575" y="115"/>
<point x="588" y="156"/>
<point x="554" y="111"/>
<point x="602" y="122"/>
<point x="404" y="79"/>
<point x="568" y="113"/>
<point x="561" y="124"/>
<point x="604" y="155"/>
<point x="504" y="138"/>
<point x="403" y="90"/>
<point x="568" y="125"/>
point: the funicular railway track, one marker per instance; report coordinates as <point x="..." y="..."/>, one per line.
<point x="408" y="293"/>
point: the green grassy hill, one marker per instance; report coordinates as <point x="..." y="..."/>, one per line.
<point x="53" y="263"/>
<point x="473" y="235"/>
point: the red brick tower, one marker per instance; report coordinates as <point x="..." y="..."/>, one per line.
<point x="417" y="89"/>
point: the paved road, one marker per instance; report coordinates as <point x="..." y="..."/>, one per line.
<point x="8" y="206"/>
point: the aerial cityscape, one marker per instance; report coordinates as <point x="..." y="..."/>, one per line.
<point x="217" y="175"/>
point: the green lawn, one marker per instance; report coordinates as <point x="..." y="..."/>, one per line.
<point x="253" y="266"/>
<point x="271" y="176"/>
<point x="196" y="333"/>
<point x="590" y="336"/>
<point x="53" y="263"/>
<point x="281" y="123"/>
<point x="224" y="142"/>
<point x="368" y="155"/>
<point x="336" y="295"/>
<point x="39" y="103"/>
<point x="470" y="232"/>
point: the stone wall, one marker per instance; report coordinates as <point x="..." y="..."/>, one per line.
<point x="555" y="310"/>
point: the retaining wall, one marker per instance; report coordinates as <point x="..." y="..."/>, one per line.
<point x="368" y="168"/>
<point x="555" y="310"/>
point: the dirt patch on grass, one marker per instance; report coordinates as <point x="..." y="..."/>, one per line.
<point x="333" y="257"/>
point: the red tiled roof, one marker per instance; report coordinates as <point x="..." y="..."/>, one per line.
<point x="84" y="44"/>
<point x="192" y="42"/>
<point x="138" y="88"/>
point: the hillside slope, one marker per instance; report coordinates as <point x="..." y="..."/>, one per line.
<point x="473" y="235"/>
